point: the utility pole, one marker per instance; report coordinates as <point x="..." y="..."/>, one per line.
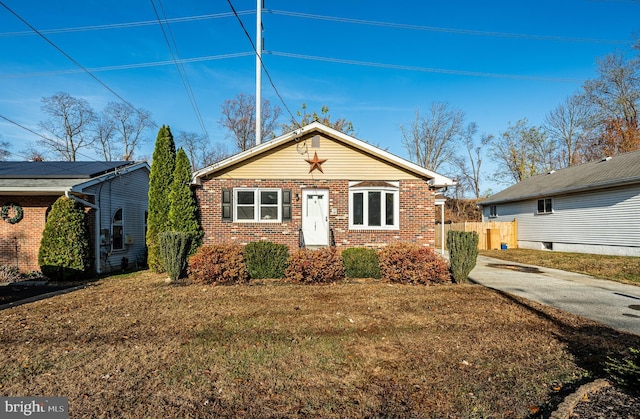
<point x="258" y="71"/>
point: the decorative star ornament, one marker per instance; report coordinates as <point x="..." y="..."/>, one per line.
<point x="315" y="163"/>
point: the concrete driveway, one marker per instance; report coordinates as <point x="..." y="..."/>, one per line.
<point x="614" y="304"/>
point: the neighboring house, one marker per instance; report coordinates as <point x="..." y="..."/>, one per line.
<point x="114" y="194"/>
<point x="589" y="208"/>
<point x="317" y="187"/>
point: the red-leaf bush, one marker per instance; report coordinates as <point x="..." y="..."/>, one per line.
<point x="315" y="266"/>
<point x="221" y="264"/>
<point x="412" y="264"/>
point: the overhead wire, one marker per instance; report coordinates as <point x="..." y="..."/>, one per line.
<point x="93" y="76"/>
<point x="182" y="72"/>
<point x="446" y="30"/>
<point x="293" y="118"/>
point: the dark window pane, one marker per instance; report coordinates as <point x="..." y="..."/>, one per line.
<point x="118" y="243"/>
<point x="269" y="197"/>
<point x="358" y="216"/>
<point x="245" y="197"/>
<point x="245" y="213"/>
<point x="547" y="205"/>
<point x="540" y="205"/>
<point x="389" y="209"/>
<point x="374" y="209"/>
<point x="268" y="213"/>
<point x="117" y="217"/>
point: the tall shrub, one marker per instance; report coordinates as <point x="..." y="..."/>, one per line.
<point x="266" y="260"/>
<point x="174" y="247"/>
<point x="183" y="211"/>
<point x="463" y="252"/>
<point x="64" y="248"/>
<point x="160" y="178"/>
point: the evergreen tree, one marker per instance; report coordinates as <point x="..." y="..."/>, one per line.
<point x="64" y="247"/>
<point x="183" y="211"/>
<point x="160" y="178"/>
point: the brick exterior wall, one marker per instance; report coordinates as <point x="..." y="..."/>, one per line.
<point x="20" y="242"/>
<point x="417" y="214"/>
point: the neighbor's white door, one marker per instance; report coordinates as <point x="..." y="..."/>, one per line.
<point x="315" y="217"/>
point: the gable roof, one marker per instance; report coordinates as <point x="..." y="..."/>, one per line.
<point x="620" y="170"/>
<point x="436" y="180"/>
<point x="58" y="177"/>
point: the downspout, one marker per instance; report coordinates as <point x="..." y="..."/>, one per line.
<point x="97" y="228"/>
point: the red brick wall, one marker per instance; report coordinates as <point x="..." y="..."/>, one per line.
<point x="417" y="212"/>
<point x="19" y="243"/>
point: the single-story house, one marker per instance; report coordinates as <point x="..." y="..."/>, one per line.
<point x="317" y="187"/>
<point x="114" y="194"/>
<point x="589" y="208"/>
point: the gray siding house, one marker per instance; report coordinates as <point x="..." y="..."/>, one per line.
<point x="589" y="208"/>
<point x="114" y="195"/>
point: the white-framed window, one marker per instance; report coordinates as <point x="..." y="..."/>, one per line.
<point x="545" y="206"/>
<point x="257" y="205"/>
<point x="374" y="205"/>
<point x="117" y="230"/>
<point x="493" y="211"/>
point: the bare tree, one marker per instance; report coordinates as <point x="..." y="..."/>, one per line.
<point x="520" y="152"/>
<point x="70" y="120"/>
<point x="4" y="150"/>
<point x="199" y="151"/>
<point x="103" y="134"/>
<point x="469" y="163"/>
<point x="570" y="125"/>
<point x="431" y="140"/>
<point x="238" y="117"/>
<point x="324" y="117"/>
<point x="129" y="125"/>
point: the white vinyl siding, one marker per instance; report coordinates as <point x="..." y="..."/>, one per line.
<point x="606" y="217"/>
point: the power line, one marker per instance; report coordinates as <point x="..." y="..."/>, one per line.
<point x="182" y="72"/>
<point x="422" y="69"/>
<point x="127" y="66"/>
<point x="73" y="60"/>
<point x="447" y="30"/>
<point x="293" y="118"/>
<point x="125" y="25"/>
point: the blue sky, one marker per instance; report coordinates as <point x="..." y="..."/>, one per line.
<point x="498" y="61"/>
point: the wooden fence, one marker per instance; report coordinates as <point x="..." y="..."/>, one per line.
<point x="492" y="234"/>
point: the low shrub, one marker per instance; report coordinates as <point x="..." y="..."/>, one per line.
<point x="9" y="273"/>
<point x="266" y="259"/>
<point x="626" y="372"/>
<point x="463" y="253"/>
<point x="412" y="264"/>
<point x="315" y="266"/>
<point x="174" y="249"/>
<point x="221" y="264"/>
<point x="360" y="262"/>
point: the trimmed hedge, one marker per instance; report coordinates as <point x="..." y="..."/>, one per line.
<point x="412" y="264"/>
<point x="266" y="259"/>
<point x="315" y="266"/>
<point x="174" y="249"/>
<point x="361" y="262"/>
<point x="221" y="264"/>
<point x="463" y="253"/>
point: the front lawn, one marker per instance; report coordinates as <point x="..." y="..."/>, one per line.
<point x="133" y="346"/>
<point x="617" y="268"/>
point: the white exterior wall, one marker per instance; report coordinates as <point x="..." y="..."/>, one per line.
<point x="130" y="192"/>
<point x="604" y="222"/>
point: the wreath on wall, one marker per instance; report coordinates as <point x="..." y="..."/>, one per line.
<point x="11" y="208"/>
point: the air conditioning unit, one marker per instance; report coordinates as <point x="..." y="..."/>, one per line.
<point x="128" y="239"/>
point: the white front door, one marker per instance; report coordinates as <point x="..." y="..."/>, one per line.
<point x="315" y="217"/>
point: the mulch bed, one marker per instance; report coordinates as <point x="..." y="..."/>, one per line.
<point x="12" y="293"/>
<point x="607" y="402"/>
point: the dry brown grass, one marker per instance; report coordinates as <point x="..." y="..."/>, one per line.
<point x="133" y="346"/>
<point x="617" y="268"/>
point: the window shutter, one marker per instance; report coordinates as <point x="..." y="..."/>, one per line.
<point x="227" y="205"/>
<point x="286" y="205"/>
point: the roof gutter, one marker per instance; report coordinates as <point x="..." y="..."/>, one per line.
<point x="96" y="246"/>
